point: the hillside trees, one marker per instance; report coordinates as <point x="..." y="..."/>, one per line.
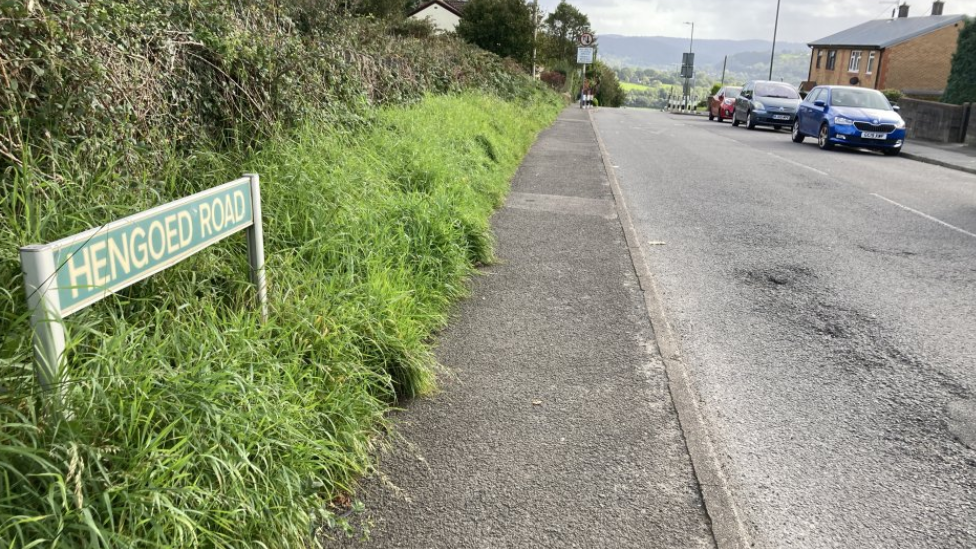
<point x="503" y="27"/>
<point x="962" y="77"/>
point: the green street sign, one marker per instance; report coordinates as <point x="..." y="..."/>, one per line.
<point x="95" y="263"/>
<point x="70" y="274"/>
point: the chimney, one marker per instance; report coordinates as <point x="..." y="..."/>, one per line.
<point x="903" y="10"/>
<point x="937" y="7"/>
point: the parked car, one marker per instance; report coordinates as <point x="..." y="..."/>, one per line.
<point x="766" y="103"/>
<point x="722" y="103"/>
<point x="854" y="117"/>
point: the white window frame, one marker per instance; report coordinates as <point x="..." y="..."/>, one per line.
<point x="870" y="68"/>
<point x="855" y="63"/>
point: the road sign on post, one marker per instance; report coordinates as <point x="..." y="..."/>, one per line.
<point x="688" y="65"/>
<point x="70" y="274"/>
<point x="584" y="56"/>
<point x="586" y="39"/>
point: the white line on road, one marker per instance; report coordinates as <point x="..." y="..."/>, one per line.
<point x="925" y="215"/>
<point x="795" y="163"/>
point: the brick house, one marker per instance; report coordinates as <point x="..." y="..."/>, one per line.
<point x="911" y="54"/>
<point x="444" y="14"/>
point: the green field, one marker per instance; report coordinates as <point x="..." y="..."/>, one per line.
<point x="627" y="87"/>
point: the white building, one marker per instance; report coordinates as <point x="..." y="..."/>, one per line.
<point x="444" y="14"/>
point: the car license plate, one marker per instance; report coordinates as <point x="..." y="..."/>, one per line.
<point x="781" y="117"/>
<point x="873" y="135"/>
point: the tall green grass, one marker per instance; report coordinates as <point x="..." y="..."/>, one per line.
<point x="191" y="424"/>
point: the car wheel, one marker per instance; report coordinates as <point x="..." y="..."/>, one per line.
<point x="797" y="136"/>
<point x="720" y="119"/>
<point x="710" y="115"/>
<point x="823" y="138"/>
<point x="891" y="152"/>
<point x="750" y="123"/>
<point x="735" y="119"/>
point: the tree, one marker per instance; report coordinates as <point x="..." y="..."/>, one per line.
<point x="604" y="80"/>
<point x="961" y="87"/>
<point x="383" y="8"/>
<point x="503" y="27"/>
<point x="561" y="30"/>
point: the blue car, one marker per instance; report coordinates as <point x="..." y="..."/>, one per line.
<point x="850" y="116"/>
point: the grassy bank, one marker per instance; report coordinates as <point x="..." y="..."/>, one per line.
<point x="191" y="424"/>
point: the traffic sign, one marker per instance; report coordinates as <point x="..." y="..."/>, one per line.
<point x="584" y="55"/>
<point x="586" y="39"/>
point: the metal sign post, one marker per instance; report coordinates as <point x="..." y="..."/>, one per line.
<point x="70" y="274"/>
<point x="584" y="56"/>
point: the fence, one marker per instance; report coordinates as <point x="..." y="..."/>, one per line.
<point x="684" y="104"/>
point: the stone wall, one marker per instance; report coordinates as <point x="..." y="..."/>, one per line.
<point x="935" y="121"/>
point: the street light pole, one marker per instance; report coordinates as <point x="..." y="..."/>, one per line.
<point x="535" y="36"/>
<point x="691" y="73"/>
<point x="773" y="53"/>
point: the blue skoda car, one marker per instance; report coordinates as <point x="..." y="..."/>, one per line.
<point x="855" y="117"/>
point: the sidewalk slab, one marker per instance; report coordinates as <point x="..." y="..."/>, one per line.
<point x="555" y="427"/>
<point x="956" y="156"/>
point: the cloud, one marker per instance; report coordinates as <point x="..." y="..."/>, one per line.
<point x="800" y="21"/>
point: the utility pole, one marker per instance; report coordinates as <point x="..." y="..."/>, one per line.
<point x="773" y="53"/>
<point x="535" y="36"/>
<point x="724" y="65"/>
<point x="689" y="66"/>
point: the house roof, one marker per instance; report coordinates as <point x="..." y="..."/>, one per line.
<point x="453" y="6"/>
<point x="884" y="33"/>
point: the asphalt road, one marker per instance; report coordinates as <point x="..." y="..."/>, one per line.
<point x="824" y="305"/>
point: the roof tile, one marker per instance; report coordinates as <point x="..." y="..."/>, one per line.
<point x="884" y="33"/>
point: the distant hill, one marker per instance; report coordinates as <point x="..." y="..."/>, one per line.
<point x="658" y="52"/>
<point x="748" y="58"/>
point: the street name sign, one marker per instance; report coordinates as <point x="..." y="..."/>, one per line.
<point x="70" y="274"/>
<point x="584" y="56"/>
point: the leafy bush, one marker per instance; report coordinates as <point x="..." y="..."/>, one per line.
<point x="555" y="79"/>
<point x="119" y="78"/>
<point x="893" y="95"/>
<point x="961" y="87"/>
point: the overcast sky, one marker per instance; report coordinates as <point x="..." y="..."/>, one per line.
<point x="799" y="20"/>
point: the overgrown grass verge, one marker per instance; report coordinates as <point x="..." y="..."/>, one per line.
<point x="193" y="425"/>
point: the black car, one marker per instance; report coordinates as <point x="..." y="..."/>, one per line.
<point x="766" y="103"/>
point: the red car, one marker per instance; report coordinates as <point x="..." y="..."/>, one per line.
<point x="722" y="103"/>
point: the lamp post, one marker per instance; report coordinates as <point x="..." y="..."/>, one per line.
<point x="535" y="35"/>
<point x="772" y="54"/>
<point x="691" y="64"/>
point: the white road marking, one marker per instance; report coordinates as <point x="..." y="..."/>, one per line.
<point x="798" y="164"/>
<point x="925" y="215"/>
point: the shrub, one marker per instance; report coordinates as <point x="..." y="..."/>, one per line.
<point x="961" y="87"/>
<point x="555" y="79"/>
<point x="893" y="95"/>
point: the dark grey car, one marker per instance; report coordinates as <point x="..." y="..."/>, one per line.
<point x="766" y="103"/>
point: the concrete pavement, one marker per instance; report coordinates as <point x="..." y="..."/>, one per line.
<point x="957" y="156"/>
<point x="555" y="427"/>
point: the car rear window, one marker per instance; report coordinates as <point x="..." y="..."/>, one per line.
<point x="784" y="91"/>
